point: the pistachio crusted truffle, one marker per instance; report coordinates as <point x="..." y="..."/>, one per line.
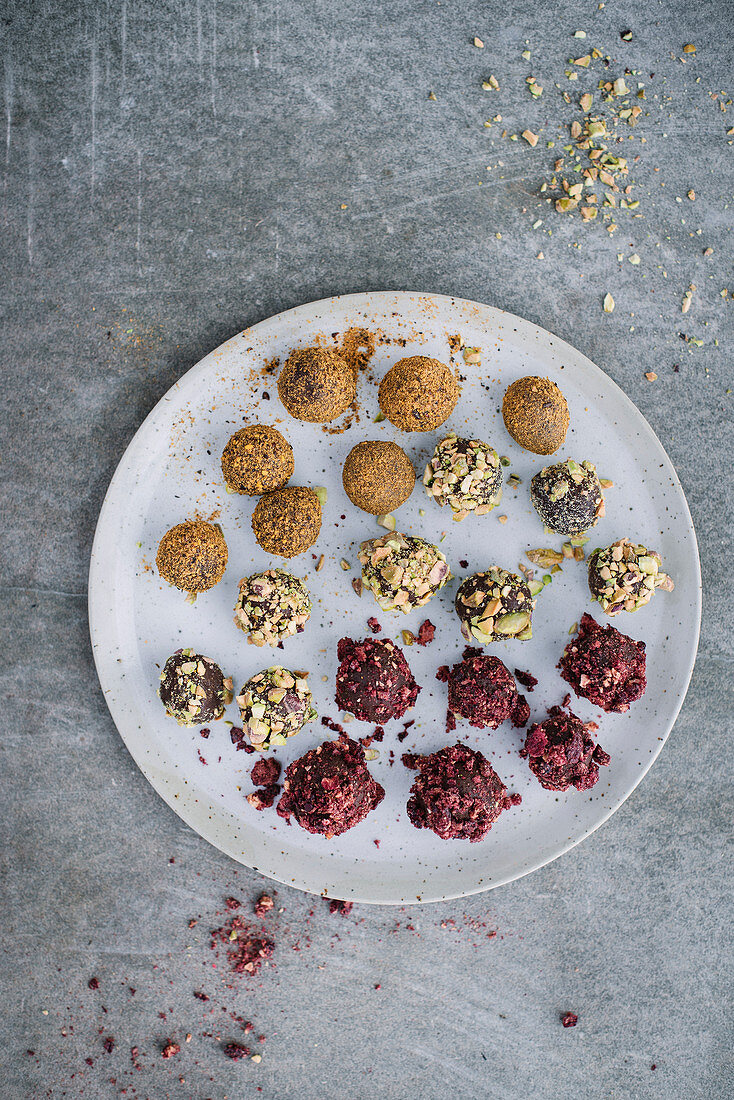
<point x="623" y="576"/>
<point x="466" y="474"/>
<point x="192" y="555"/>
<point x="193" y="688"/>
<point x="271" y="607"/>
<point x="562" y="753"/>
<point x="482" y="691"/>
<point x="536" y="414"/>
<point x="378" y="476"/>
<point x="275" y="704"/>
<point x="257" y="459"/>
<point x="457" y="793"/>
<point x="568" y="497"/>
<point x="316" y="384"/>
<point x="604" y="666"/>
<point x="418" y="393"/>
<point x="287" y="521"/>
<point x="402" y="571"/>
<point x="330" y="789"/>
<point x="374" y="682"/>
<point x="495" y="606"/>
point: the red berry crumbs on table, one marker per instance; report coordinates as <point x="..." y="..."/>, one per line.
<point x="263" y="905"/>
<point x="232" y="903"/>
<point x="170" y="1049"/>
<point x="569" y="1019"/>
<point x="93" y="983"/>
<point x="344" y="908"/>
<point x="236" y="1051"/>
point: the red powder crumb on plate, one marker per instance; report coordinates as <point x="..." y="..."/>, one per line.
<point x="108" y="1043"/>
<point x="526" y="679"/>
<point x="374" y="625"/>
<point x="247" y="950"/>
<point x="266" y="772"/>
<point x="342" y="907"/>
<point x="569" y="1019"/>
<point x="426" y="633"/>
<point x="264" y="798"/>
<point x="235" y="1051"/>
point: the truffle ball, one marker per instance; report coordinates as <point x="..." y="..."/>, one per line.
<point x="466" y="474"/>
<point x="274" y="705"/>
<point x="192" y="555"/>
<point x="316" y="384"/>
<point x="418" y="393"/>
<point x="536" y="414"/>
<point x="330" y="789"/>
<point x="271" y="607"/>
<point x="562" y="753"/>
<point x="287" y="521"/>
<point x="257" y="459"/>
<point x="402" y="571"/>
<point x="495" y="606"/>
<point x="457" y="793"/>
<point x="193" y="688"/>
<point x="374" y="682"/>
<point x="378" y="477"/>
<point x="482" y="691"/>
<point x="568" y="497"/>
<point x="623" y="576"/>
<point x="604" y="666"/>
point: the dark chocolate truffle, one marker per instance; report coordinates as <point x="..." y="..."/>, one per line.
<point x="536" y="414"/>
<point x="562" y="753"/>
<point x="275" y="704"/>
<point x="257" y="459"/>
<point x="288" y="521"/>
<point x="418" y="393"/>
<point x="568" y="497"/>
<point x="495" y="606"/>
<point x="457" y="793"/>
<point x="193" y="688"/>
<point x="271" y="607"/>
<point x="192" y="555"/>
<point x="330" y="789"/>
<point x="623" y="576"/>
<point x="316" y="384"/>
<point x="466" y="474"/>
<point x="378" y="476"/>
<point x="482" y="691"/>
<point x="402" y="571"/>
<point x="604" y="666"/>
<point x="374" y="682"/>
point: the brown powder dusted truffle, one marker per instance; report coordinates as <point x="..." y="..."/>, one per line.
<point x="257" y="459"/>
<point x="192" y="555"/>
<point x="378" y="476"/>
<point x="604" y="666"/>
<point x="536" y="414"/>
<point x="418" y="393"/>
<point x="330" y="789"/>
<point x="288" y="521"/>
<point x="457" y="793"/>
<point x="374" y="682"/>
<point x="482" y="691"/>
<point x="316" y="384"/>
<point x="562" y="753"/>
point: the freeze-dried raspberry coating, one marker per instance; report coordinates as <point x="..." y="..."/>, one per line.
<point x="330" y="789"/>
<point x="562" y="753"/>
<point x="457" y="793"/>
<point x="374" y="682"/>
<point x="265" y="772"/>
<point x="604" y="666"/>
<point x="482" y="691"/>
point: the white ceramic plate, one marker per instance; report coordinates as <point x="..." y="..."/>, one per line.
<point x="171" y="471"/>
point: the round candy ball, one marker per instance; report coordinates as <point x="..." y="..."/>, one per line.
<point x="418" y="393"/>
<point x="288" y="521"/>
<point x="193" y="688"/>
<point x="536" y="414"/>
<point x="192" y="556"/>
<point x="316" y="384"/>
<point x="378" y="476"/>
<point x="257" y="459"/>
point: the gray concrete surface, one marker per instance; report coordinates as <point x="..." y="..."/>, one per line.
<point x="172" y="172"/>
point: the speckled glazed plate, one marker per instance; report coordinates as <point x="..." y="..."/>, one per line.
<point x="171" y="471"/>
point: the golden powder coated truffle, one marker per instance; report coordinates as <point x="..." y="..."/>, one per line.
<point x="378" y="477"/>
<point x="192" y="555"/>
<point x="257" y="459"/>
<point x="536" y="414"/>
<point x="288" y="521"/>
<point x="316" y="384"/>
<point x="418" y="393"/>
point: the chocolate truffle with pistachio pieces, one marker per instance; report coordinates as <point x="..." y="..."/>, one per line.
<point x="192" y="556"/>
<point x="402" y="571"/>
<point x="275" y="704"/>
<point x="457" y="793"/>
<point x="568" y="497"/>
<point x="271" y="607"/>
<point x="418" y="393"/>
<point x="256" y="460"/>
<point x="495" y="605"/>
<point x="623" y="576"/>
<point x="330" y="789"/>
<point x="466" y="474"/>
<point x="193" y="688"/>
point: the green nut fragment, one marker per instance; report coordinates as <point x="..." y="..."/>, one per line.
<point x="512" y="624"/>
<point x="321" y="494"/>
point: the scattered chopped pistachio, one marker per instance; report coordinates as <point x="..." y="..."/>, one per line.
<point x="634" y="259"/>
<point x="530" y="137"/>
<point x="606" y="483"/>
<point x="321" y="493"/>
<point x="344" y="564"/>
<point x="387" y="521"/>
<point x="472" y="355"/>
<point x="478" y="43"/>
<point x="408" y="637"/>
<point x="651" y="376"/>
<point x="545" y="558"/>
<point x="502" y="519"/>
<point x="504" y="460"/>
<point x="689" y="48"/>
<point x="379" y="418"/>
<point x="573" y="628"/>
<point x="320" y="563"/>
<point x="608" y="303"/>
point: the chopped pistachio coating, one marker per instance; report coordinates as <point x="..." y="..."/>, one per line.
<point x="271" y="606"/>
<point x="465" y="474"/>
<point x="274" y="705"/>
<point x="402" y="571"/>
<point x="193" y="688"/>
<point x="623" y="576"/>
<point x="568" y="497"/>
<point x="495" y="606"/>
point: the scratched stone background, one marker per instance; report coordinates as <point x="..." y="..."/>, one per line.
<point x="172" y="172"/>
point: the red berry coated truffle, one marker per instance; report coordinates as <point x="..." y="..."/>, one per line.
<point x="482" y="691"/>
<point x="604" y="666"/>
<point x="457" y="793"/>
<point x="562" y="753"/>
<point x="374" y="682"/>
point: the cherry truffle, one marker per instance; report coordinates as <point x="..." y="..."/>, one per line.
<point x="257" y="459"/>
<point x="495" y="606"/>
<point x="275" y="704"/>
<point x="536" y="414"/>
<point x="374" y="682"/>
<point x="271" y="607"/>
<point x="604" y="666"/>
<point x="330" y="789"/>
<point x="466" y="474"/>
<point x="562" y="753"/>
<point x="623" y="576"/>
<point x="288" y="521"/>
<point x="192" y="556"/>
<point x="482" y="691"/>
<point x="418" y="393"/>
<point x="378" y="476"/>
<point x="402" y="571"/>
<point x="316" y="384"/>
<point x="568" y="497"/>
<point x="193" y="688"/>
<point x="457" y="793"/>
